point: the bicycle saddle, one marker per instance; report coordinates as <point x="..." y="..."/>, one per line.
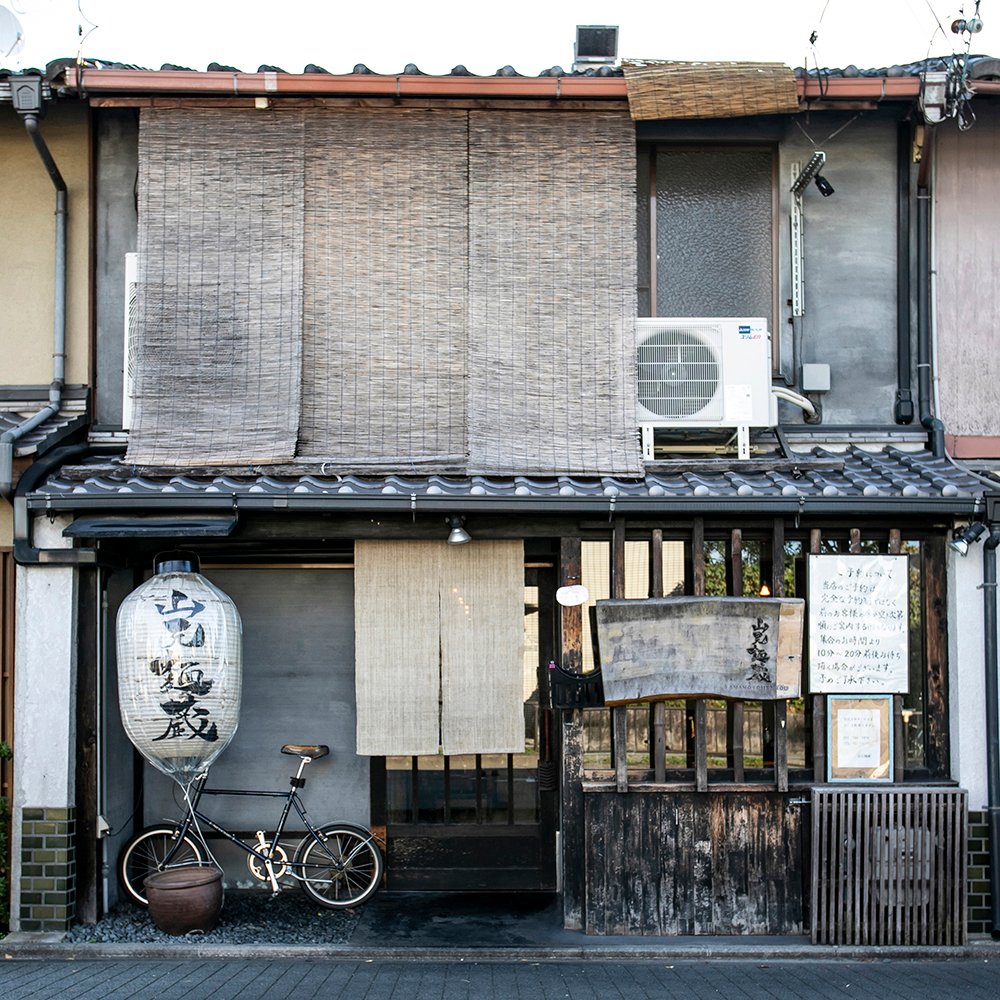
<point x="315" y="752"/>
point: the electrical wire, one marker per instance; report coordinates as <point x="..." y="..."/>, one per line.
<point x="995" y="484"/>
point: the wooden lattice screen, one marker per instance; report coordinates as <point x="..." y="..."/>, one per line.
<point x="889" y="867"/>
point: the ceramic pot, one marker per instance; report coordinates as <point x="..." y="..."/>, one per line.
<point x="182" y="900"/>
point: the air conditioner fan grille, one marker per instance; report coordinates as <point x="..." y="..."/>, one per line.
<point x="678" y="374"/>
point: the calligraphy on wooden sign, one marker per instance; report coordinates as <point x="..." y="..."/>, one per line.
<point x="700" y="647"/>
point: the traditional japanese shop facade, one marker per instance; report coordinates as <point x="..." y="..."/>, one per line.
<point x="396" y="307"/>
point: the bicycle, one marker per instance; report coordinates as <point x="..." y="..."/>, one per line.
<point x="338" y="865"/>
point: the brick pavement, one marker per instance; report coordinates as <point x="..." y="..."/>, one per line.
<point x="322" y="979"/>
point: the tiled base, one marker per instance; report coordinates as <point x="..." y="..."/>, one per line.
<point x="979" y="874"/>
<point x="48" y="869"/>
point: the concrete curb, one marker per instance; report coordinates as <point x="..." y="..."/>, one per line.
<point x="15" y="946"/>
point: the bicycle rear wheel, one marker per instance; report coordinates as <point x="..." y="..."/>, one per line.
<point x="341" y="867"/>
<point x="147" y="852"/>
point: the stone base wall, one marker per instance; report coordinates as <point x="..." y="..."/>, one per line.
<point x="979" y="874"/>
<point x="48" y="869"/>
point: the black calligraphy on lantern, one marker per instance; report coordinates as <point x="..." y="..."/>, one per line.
<point x="184" y="681"/>
<point x="758" y="652"/>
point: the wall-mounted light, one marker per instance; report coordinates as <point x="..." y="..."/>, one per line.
<point x="825" y="187"/>
<point x="811" y="169"/>
<point x="458" y="534"/>
<point x="961" y="538"/>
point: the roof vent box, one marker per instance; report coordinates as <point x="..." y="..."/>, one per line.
<point x="703" y="373"/>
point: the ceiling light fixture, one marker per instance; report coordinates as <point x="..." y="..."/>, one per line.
<point x="458" y="534"/>
<point x="962" y="537"/>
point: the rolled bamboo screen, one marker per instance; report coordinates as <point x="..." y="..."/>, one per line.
<point x="708" y="89"/>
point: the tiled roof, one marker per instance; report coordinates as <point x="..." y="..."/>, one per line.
<point x="820" y="481"/>
<point x="45" y="435"/>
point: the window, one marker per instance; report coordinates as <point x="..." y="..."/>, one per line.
<point x="706" y="225"/>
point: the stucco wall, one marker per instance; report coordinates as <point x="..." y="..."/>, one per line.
<point x="967" y="262"/>
<point x="27" y="245"/>
<point x="967" y="674"/>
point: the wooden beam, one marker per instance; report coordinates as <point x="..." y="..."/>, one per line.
<point x="934" y="606"/>
<point x="656" y="563"/>
<point x="573" y="840"/>
<point x="659" y="740"/>
<point x="619" y="728"/>
<point x="780" y="707"/>
<point x="696" y="735"/>
<point x="571" y="630"/>
<point x="855" y="541"/>
<point x="700" y="745"/>
<point x="735" y="710"/>
<point x="818" y="700"/>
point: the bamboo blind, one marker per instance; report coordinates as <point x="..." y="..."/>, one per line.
<point x="708" y="89"/>
<point x="552" y="293"/>
<point x="220" y="288"/>
<point x="392" y="290"/>
<point x="386" y="271"/>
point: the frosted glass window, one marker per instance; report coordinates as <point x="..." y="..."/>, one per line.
<point x="714" y="232"/>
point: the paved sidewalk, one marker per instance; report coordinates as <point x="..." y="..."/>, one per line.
<point x="521" y="980"/>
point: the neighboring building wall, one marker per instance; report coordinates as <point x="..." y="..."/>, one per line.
<point x="27" y="246"/>
<point x="43" y="864"/>
<point x="967" y="250"/>
<point x="117" y="163"/>
<point x="967" y="693"/>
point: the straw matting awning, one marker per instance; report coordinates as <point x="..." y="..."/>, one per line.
<point x="708" y="89"/>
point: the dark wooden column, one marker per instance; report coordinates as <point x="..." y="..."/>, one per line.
<point x="735" y="709"/>
<point x="697" y="710"/>
<point x="898" y="744"/>
<point x="818" y="700"/>
<point x="933" y="579"/>
<point x="658" y="710"/>
<point x="573" y="837"/>
<point x="780" y="706"/>
<point x="619" y="728"/>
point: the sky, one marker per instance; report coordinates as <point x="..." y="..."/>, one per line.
<point x="531" y="36"/>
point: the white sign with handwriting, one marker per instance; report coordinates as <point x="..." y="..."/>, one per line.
<point x="859" y="624"/>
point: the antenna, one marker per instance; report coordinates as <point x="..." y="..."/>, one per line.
<point x="11" y="34"/>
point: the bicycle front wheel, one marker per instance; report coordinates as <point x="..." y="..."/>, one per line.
<point x="340" y="867"/>
<point x="149" y="852"/>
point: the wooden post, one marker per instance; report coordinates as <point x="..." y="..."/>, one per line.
<point x="933" y="575"/>
<point x="572" y="824"/>
<point x="855" y="541"/>
<point x="571" y="619"/>
<point x="619" y="727"/>
<point x="700" y="745"/>
<point x="818" y="700"/>
<point x="697" y="713"/>
<point x="898" y="734"/>
<point x="780" y="707"/>
<point x="658" y="710"/>
<point x="735" y="709"/>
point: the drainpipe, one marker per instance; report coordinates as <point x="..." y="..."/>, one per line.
<point x="30" y="110"/>
<point x="904" y="394"/>
<point x="992" y="719"/>
<point x="927" y="418"/>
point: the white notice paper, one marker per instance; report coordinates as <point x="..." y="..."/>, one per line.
<point x="859" y="624"/>
<point x="859" y="737"/>
<point x="739" y="403"/>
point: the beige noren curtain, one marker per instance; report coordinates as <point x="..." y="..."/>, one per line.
<point x="439" y="647"/>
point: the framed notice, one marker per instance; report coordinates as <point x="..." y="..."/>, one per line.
<point x="859" y="738"/>
<point x="859" y="624"/>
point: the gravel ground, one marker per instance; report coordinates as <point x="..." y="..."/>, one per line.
<point x="248" y="917"/>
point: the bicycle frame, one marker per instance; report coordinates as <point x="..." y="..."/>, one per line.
<point x="291" y="798"/>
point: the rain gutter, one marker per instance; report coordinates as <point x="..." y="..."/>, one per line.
<point x="285" y="503"/>
<point x="992" y="719"/>
<point x="94" y="81"/>
<point x="8" y="438"/>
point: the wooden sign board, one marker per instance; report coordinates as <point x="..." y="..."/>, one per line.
<point x="859" y="624"/>
<point x="700" y="647"/>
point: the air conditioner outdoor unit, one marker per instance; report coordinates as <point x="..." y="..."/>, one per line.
<point x="704" y="373"/>
<point x="128" y="354"/>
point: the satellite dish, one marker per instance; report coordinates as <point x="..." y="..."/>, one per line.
<point x="572" y="597"/>
<point x="11" y="34"/>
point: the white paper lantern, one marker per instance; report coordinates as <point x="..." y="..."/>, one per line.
<point x="180" y="668"/>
